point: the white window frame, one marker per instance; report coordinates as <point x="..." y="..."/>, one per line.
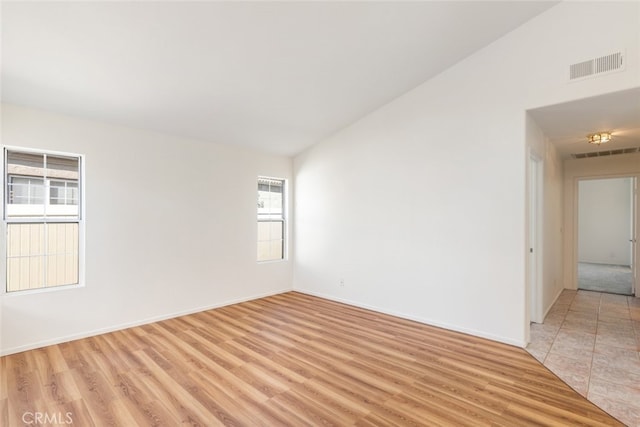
<point x="81" y="217"/>
<point x="282" y="218"/>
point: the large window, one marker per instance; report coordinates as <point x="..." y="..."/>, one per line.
<point x="42" y="213"/>
<point x="271" y="221"/>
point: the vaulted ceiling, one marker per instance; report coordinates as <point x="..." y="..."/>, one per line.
<point x="277" y="76"/>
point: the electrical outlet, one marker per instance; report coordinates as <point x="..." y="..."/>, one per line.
<point x="341" y="283"/>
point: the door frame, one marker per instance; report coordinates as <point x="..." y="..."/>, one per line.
<point x="534" y="256"/>
<point x="635" y="201"/>
<point x="635" y="223"/>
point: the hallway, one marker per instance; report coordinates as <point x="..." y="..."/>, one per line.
<point x="591" y="340"/>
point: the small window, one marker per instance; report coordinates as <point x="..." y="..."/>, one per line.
<point x="42" y="213"/>
<point x="26" y="191"/>
<point x="271" y="220"/>
<point x="63" y="192"/>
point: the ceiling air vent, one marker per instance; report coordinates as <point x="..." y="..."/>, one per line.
<point x="592" y="67"/>
<point x="606" y="153"/>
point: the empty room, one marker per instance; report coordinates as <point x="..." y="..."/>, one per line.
<point x="320" y="213"/>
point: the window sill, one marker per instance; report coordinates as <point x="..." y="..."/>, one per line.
<point x="42" y="290"/>
<point x="272" y="261"/>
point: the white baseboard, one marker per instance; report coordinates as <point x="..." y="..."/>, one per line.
<point x="418" y="319"/>
<point x="544" y="315"/>
<point x="67" y="338"/>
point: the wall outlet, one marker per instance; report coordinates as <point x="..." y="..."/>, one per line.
<point x="342" y="283"/>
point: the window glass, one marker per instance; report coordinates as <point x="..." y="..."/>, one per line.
<point x="26" y="190"/>
<point x="42" y="214"/>
<point x="271" y="221"/>
<point x="63" y="192"/>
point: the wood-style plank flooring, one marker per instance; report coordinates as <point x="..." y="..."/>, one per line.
<point x="289" y="359"/>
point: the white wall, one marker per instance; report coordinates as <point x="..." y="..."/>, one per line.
<point x="170" y="228"/>
<point x="604" y="221"/>
<point x="420" y="206"/>
<point x="574" y="170"/>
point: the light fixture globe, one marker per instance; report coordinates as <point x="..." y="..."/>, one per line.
<point x="599" y="138"/>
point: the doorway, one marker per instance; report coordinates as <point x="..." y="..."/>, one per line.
<point x="606" y="235"/>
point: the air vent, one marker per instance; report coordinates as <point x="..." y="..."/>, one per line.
<point x="606" y="153"/>
<point x="592" y="67"/>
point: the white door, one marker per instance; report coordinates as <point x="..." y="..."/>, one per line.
<point x="534" y="256"/>
<point x="634" y="237"/>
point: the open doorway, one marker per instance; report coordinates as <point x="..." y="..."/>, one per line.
<point x="606" y="235"/>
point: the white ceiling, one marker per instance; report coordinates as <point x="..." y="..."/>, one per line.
<point x="567" y="125"/>
<point x="277" y="76"/>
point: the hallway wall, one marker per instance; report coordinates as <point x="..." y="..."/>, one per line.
<point x="551" y="221"/>
<point x="604" y="221"/>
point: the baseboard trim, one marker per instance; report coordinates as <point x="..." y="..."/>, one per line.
<point x="418" y="319"/>
<point x="544" y="316"/>
<point x="119" y="327"/>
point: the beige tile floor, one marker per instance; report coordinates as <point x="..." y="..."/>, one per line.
<point x="591" y="340"/>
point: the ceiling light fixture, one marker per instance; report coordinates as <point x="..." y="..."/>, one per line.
<point x="599" y="138"/>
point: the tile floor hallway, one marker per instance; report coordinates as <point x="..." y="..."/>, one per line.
<point x="591" y="340"/>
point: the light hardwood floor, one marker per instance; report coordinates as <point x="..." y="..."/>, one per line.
<point x="289" y="359"/>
